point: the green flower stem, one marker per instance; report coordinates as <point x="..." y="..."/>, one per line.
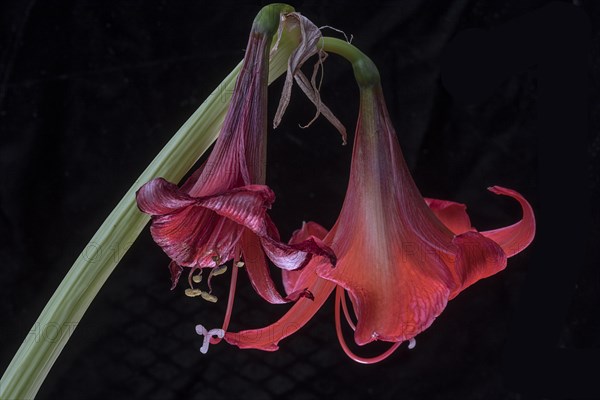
<point x="267" y="19"/>
<point x="365" y="71"/>
<point x="66" y="307"/>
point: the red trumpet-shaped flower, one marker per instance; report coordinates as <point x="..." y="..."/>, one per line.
<point x="219" y="214"/>
<point x="400" y="257"/>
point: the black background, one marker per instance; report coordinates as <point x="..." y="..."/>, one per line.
<point x="91" y="91"/>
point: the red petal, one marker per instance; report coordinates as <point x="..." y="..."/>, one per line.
<point x="258" y="270"/>
<point x="176" y="271"/>
<point x="397" y="288"/>
<point x="194" y="235"/>
<point x="192" y="230"/>
<point x="295" y="255"/>
<point x="268" y="337"/>
<point x="245" y="205"/>
<point x="293" y="280"/>
<point x="453" y="215"/>
<point x="477" y="257"/>
<point x="514" y="238"/>
<point x="159" y="197"/>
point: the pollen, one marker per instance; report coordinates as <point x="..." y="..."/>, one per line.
<point x="193" y="292"/>
<point x="218" y="271"/>
<point x="209" y="297"/>
<point x="197" y="278"/>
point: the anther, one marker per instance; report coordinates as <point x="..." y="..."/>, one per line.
<point x="219" y="270"/>
<point x="193" y="292"/>
<point x="209" y="297"/>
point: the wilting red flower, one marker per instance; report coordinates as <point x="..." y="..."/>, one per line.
<point x="219" y="214"/>
<point x="400" y="257"/>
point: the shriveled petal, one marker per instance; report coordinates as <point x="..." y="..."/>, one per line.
<point x="258" y="271"/>
<point x="516" y="237"/>
<point x="310" y="35"/>
<point x="453" y="215"/>
<point x="296" y="280"/>
<point x="267" y="338"/>
<point x="477" y="257"/>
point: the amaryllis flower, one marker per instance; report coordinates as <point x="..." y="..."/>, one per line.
<point x="400" y="257"/>
<point x="219" y="214"/>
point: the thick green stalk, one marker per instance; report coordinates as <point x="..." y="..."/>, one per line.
<point x="64" y="310"/>
<point x="365" y="71"/>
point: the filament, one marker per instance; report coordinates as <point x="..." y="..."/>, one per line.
<point x="339" y="303"/>
<point x="346" y="312"/>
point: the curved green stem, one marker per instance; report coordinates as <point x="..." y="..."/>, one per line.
<point x="365" y="71"/>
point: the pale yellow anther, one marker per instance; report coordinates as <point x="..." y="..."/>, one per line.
<point x="239" y="264"/>
<point x="219" y="270"/>
<point x="209" y="297"/>
<point x="193" y="292"/>
<point x="197" y="278"/>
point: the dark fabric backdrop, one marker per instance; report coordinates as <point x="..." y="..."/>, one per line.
<point x="91" y="91"/>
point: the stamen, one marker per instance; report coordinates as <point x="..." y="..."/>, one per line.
<point x="338" y="327"/>
<point x="208" y="335"/>
<point x="239" y="264"/>
<point x="191" y="274"/>
<point x="218" y="270"/>
<point x="347" y="313"/>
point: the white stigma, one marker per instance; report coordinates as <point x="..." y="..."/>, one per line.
<point x="201" y="330"/>
<point x="412" y="343"/>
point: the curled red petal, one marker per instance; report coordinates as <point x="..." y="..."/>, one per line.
<point x="160" y="197"/>
<point x="514" y="238"/>
<point x="245" y="205"/>
<point x="258" y="269"/>
<point x="297" y="254"/>
<point x="477" y="257"/>
<point x="307" y="230"/>
<point x="453" y="215"/>
<point x="267" y="338"/>
<point x="193" y="230"/>
<point x="295" y="280"/>
<point x="194" y="235"/>
<point x="175" y="271"/>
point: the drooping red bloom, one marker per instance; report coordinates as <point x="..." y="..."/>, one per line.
<point x="400" y="257"/>
<point x="219" y="214"/>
